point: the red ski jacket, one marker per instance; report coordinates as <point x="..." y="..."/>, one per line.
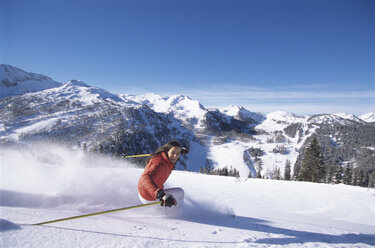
<point x="154" y="176"/>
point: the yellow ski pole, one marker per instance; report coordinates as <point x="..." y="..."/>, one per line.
<point x="92" y="214"/>
<point x="136" y="156"/>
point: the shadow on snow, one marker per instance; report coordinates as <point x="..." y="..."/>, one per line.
<point x="208" y="215"/>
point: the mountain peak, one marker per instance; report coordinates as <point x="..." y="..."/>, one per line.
<point x="14" y="81"/>
<point x="77" y="83"/>
<point x="185" y="101"/>
<point x="340" y="118"/>
<point x="348" y="116"/>
<point x="181" y="106"/>
<point x="242" y="113"/>
<point x="11" y="76"/>
<point x="231" y="110"/>
<point x="369" y="117"/>
<point x="281" y="115"/>
<point x="87" y="93"/>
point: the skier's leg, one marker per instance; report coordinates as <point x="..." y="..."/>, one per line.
<point x="177" y="193"/>
<point x="144" y="201"/>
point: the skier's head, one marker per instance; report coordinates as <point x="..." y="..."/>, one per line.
<point x="173" y="149"/>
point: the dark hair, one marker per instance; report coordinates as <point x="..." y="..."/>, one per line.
<point x="165" y="148"/>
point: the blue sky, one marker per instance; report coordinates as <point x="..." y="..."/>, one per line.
<point x="301" y="56"/>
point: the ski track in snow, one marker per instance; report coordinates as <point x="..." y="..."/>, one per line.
<point x="47" y="183"/>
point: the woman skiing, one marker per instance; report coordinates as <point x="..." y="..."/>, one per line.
<point x="157" y="171"/>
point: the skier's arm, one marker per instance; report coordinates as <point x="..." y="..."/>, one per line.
<point x="151" y="171"/>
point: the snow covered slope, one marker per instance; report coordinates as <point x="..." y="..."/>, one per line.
<point x="79" y="90"/>
<point x="369" y="117"/>
<point x="49" y="182"/>
<point x="14" y="81"/>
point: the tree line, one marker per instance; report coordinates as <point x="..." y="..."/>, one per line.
<point x="313" y="168"/>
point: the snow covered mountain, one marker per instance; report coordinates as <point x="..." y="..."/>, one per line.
<point x="338" y="118"/>
<point x="86" y="117"/>
<point x="34" y="108"/>
<point x="243" y="114"/>
<point x="180" y="107"/>
<point x="14" y="81"/>
<point x="369" y="117"/>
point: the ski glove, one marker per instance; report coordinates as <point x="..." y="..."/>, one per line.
<point x="167" y="200"/>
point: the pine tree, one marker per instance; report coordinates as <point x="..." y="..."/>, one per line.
<point x="259" y="168"/>
<point x="287" y="171"/>
<point x="330" y="174"/>
<point x="348" y="175"/>
<point x="224" y="171"/>
<point x="312" y="168"/>
<point x="276" y="173"/>
<point x="338" y="174"/>
<point x="321" y="170"/>
<point x="362" y="179"/>
<point x="355" y="177"/>
<point x="371" y="179"/>
<point x="236" y="173"/>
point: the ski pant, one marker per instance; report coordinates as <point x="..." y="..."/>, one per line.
<point x="177" y="193"/>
